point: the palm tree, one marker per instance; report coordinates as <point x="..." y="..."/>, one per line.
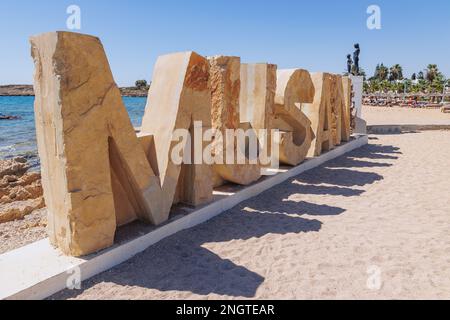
<point x="396" y="72"/>
<point x="423" y="85"/>
<point x="407" y="85"/>
<point x="374" y="85"/>
<point x="381" y="72"/>
<point x="432" y="72"/>
<point x="420" y="75"/>
<point x="385" y="86"/>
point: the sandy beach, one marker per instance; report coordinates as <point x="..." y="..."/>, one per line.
<point x="370" y="225"/>
<point x="19" y="233"/>
<point x="404" y="116"/>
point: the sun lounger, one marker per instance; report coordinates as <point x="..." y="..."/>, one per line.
<point x="445" y="108"/>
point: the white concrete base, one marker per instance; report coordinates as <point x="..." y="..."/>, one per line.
<point x="38" y="271"/>
<point x="360" y="126"/>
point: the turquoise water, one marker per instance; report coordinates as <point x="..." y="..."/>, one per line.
<point x="18" y="137"/>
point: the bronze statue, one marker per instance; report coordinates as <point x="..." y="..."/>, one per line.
<point x="356" y="59"/>
<point x="349" y="64"/>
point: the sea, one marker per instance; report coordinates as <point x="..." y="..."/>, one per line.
<point x="18" y="137"/>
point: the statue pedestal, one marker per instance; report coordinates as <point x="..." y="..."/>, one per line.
<point x="358" y="82"/>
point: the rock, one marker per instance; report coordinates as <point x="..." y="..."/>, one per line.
<point x="13" y="168"/>
<point x="225" y="87"/>
<point x="20" y="160"/>
<point x="19" y="209"/>
<point x="16" y="90"/>
<point x="9" y="117"/>
<point x="21" y="193"/>
<point x="133" y="92"/>
<point x="10" y="179"/>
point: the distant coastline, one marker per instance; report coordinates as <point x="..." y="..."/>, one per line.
<point x="16" y="90"/>
<point x="22" y="90"/>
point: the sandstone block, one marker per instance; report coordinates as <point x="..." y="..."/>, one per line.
<point x="320" y="114"/>
<point x="225" y="90"/>
<point x="294" y="88"/>
<point x="179" y="96"/>
<point x="258" y="87"/>
<point x="87" y="145"/>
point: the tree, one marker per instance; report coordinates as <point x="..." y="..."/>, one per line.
<point x="420" y="75"/>
<point x="414" y="77"/>
<point x="381" y="72"/>
<point x="432" y="72"/>
<point x="407" y="85"/>
<point x="373" y="85"/>
<point x="377" y="72"/>
<point x="385" y="86"/>
<point x="366" y="87"/>
<point x="396" y="72"/>
<point x="423" y="85"/>
<point x="141" y="84"/>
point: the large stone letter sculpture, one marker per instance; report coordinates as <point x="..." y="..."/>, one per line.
<point x="225" y="85"/>
<point x="179" y="96"/>
<point x="294" y="87"/>
<point x="95" y="173"/>
<point x="320" y="114"/>
<point x="269" y="105"/>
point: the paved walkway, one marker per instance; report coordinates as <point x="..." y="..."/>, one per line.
<point x="372" y="224"/>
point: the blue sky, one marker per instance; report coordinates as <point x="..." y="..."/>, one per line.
<point x="315" y="35"/>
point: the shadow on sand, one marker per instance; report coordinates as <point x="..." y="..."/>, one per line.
<point x="182" y="263"/>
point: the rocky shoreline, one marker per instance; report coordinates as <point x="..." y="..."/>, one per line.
<point x="17" y="90"/>
<point x="20" y="191"/>
<point x="27" y="91"/>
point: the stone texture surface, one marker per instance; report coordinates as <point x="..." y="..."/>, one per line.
<point x="179" y="96"/>
<point x="225" y="91"/>
<point x="320" y="114"/>
<point x="225" y="81"/>
<point x="257" y="107"/>
<point x="20" y="191"/>
<point x="87" y="145"/>
<point x="336" y="102"/>
<point x="294" y="87"/>
<point x="258" y="87"/>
